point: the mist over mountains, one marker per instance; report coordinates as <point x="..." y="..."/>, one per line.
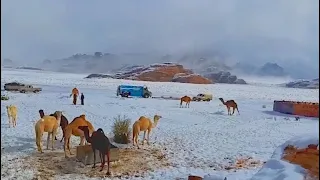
<point x="215" y="34"/>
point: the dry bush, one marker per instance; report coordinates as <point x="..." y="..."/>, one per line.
<point x="121" y="129"/>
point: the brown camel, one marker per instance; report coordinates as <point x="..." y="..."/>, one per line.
<point x="229" y="104"/>
<point x="100" y="142"/>
<point x="186" y="99"/>
<point x="72" y="129"/>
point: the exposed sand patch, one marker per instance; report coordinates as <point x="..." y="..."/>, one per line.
<point x="133" y="162"/>
<point x="308" y="158"/>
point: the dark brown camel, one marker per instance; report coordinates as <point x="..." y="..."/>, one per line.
<point x="63" y="123"/>
<point x="99" y="141"/>
<point x="229" y="104"/>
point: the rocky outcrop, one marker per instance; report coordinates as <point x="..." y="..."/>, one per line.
<point x="191" y="78"/>
<point x="304" y="84"/>
<point x="224" y="77"/>
<point x="165" y="72"/>
<point x="162" y="72"/>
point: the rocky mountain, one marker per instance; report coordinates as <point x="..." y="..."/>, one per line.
<point x="271" y="69"/>
<point x="268" y="69"/>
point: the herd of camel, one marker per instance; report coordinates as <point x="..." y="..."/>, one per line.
<point x="82" y="128"/>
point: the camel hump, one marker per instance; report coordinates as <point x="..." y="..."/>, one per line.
<point x="142" y="117"/>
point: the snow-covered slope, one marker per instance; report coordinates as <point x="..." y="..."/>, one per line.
<point x="201" y="139"/>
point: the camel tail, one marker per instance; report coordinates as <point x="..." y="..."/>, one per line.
<point x="38" y="132"/>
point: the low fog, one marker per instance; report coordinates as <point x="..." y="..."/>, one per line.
<point x="247" y="31"/>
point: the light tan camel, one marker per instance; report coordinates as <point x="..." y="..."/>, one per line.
<point x="72" y="129"/>
<point x="229" y="104"/>
<point x="48" y="124"/>
<point x="143" y="124"/>
<point x="12" y="112"/>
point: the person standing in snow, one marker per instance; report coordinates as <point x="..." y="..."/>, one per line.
<point x="82" y="99"/>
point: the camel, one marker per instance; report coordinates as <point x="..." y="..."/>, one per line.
<point x="12" y="112"/>
<point x="48" y="124"/>
<point x="72" y="129"/>
<point x="143" y="124"/>
<point x="99" y="141"/>
<point x="63" y="123"/>
<point x="186" y="99"/>
<point x="229" y="104"/>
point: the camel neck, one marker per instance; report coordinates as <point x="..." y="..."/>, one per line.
<point x="86" y="135"/>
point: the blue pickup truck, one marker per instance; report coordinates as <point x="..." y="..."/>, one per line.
<point x="133" y="91"/>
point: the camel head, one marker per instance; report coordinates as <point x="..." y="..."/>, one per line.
<point x="221" y="99"/>
<point x="156" y="118"/>
<point x="58" y="114"/>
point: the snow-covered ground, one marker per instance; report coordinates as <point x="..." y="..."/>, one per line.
<point x="198" y="140"/>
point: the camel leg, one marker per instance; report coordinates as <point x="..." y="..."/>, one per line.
<point x="94" y="158"/>
<point x="65" y="146"/>
<point x="103" y="160"/>
<point x="233" y="111"/>
<point x="53" y="139"/>
<point x="81" y="140"/>
<point x="69" y="147"/>
<point x="48" y="139"/>
<point x="148" y="135"/>
<point x="108" y="161"/>
<point x="14" y="122"/>
<point x="144" y="137"/>
<point x="63" y="135"/>
<point x="9" y="121"/>
<point x="100" y="155"/>
<point x="137" y="141"/>
<point x="228" y="110"/>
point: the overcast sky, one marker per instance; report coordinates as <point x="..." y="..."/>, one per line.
<point x="33" y="30"/>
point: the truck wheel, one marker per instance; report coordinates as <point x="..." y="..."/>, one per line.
<point x="194" y="99"/>
<point x="23" y="91"/>
<point x="35" y="91"/>
<point x="146" y="95"/>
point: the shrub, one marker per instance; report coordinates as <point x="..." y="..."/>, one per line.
<point x="4" y="98"/>
<point x="121" y="130"/>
